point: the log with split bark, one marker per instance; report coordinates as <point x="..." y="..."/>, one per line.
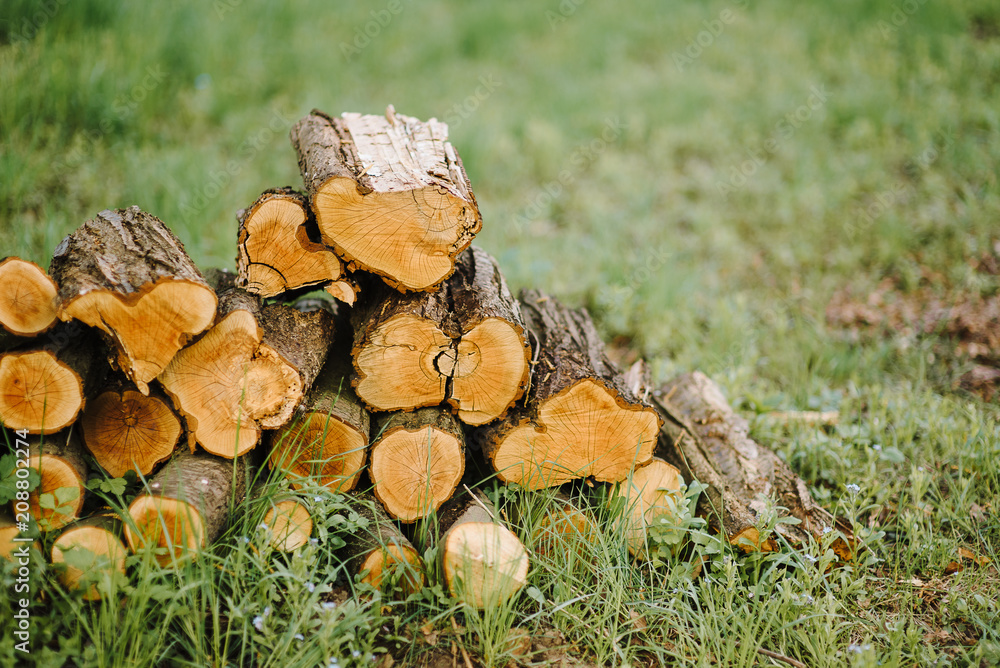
<point x="579" y="418"/>
<point x="43" y="385"/>
<point x="710" y="442"/>
<point x="248" y="372"/>
<point x="464" y="344"/>
<point x="186" y="505"/>
<point x="483" y="562"/>
<point x="125" y="273"/>
<point x="389" y="192"/>
<point x="279" y="249"/>
<point x="417" y="461"/>
<point x="379" y="553"/>
<point x="92" y="554"/>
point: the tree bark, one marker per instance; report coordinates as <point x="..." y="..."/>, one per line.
<point x="28" y="303"/>
<point x="186" y="505"/>
<point x="279" y="247"/>
<point x="93" y="554"/>
<point x="381" y="550"/>
<point x="709" y="442"/>
<point x="125" y="273"/>
<point x="579" y="418"/>
<point x="417" y="460"/>
<point x="390" y="194"/>
<point x="43" y="387"/>
<point x="484" y="563"/>
<point x="126" y="430"/>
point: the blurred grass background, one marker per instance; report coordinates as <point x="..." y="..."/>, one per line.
<point x="184" y="110"/>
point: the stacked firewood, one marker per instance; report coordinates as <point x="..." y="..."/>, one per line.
<point x="418" y="364"/>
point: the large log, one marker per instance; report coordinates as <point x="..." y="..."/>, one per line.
<point x="278" y="246"/>
<point x="328" y="441"/>
<point x="126" y="430"/>
<point x="390" y="194"/>
<point x="246" y="373"/>
<point x="709" y="442"/>
<point x="92" y="554"/>
<point x="125" y="273"/>
<point x="43" y="386"/>
<point x="484" y="563"/>
<point x="28" y="304"/>
<point x="62" y="468"/>
<point x="417" y="461"/>
<point x="381" y="551"/>
<point x="578" y="418"/>
<point x="185" y="506"/>
<point x="465" y="343"/>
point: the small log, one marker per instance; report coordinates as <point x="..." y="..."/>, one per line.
<point x="579" y="418"/>
<point x="279" y="248"/>
<point x="328" y="442"/>
<point x="709" y="442"/>
<point x="390" y="194"/>
<point x="93" y="554"/>
<point x="564" y="529"/>
<point x="289" y="522"/>
<point x="43" y="386"/>
<point x="417" y="461"/>
<point x="345" y="290"/>
<point x="126" y="430"/>
<point x="11" y="547"/>
<point x="125" y="273"/>
<point x="465" y="343"/>
<point x="28" y="304"/>
<point x="381" y="551"/>
<point x="650" y="494"/>
<point x="484" y="563"/>
<point x="60" y="463"/>
<point x="186" y="505"/>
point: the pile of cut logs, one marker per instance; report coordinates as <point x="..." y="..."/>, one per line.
<point x="417" y="362"/>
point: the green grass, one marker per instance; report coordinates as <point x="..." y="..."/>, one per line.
<point x="599" y="165"/>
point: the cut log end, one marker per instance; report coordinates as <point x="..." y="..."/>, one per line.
<point x="10" y="547"/>
<point x="38" y="392"/>
<point x="320" y="448"/>
<point x="275" y="252"/>
<point x="398" y="562"/>
<point x="583" y="431"/>
<point x="172" y="527"/>
<point x="485" y="386"/>
<point x="564" y="530"/>
<point x="174" y="310"/>
<point x="93" y="556"/>
<point x="398" y="366"/>
<point x="289" y="524"/>
<point x="344" y="290"/>
<point x="217" y="389"/>
<point x="58" y="499"/>
<point x="484" y="563"/>
<point x="415" y="471"/>
<point x="126" y="430"/>
<point x="648" y="496"/>
<point x="28" y="304"/>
